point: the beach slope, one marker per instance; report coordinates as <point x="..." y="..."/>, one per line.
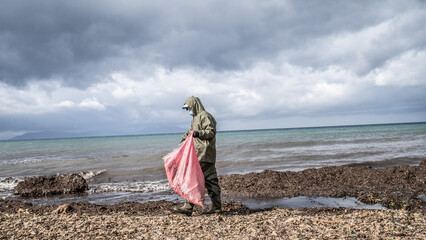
<point x="401" y="189"/>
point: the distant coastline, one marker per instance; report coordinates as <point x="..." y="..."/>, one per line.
<point x="65" y="135"/>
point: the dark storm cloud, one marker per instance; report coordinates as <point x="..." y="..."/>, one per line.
<point x="72" y="40"/>
<point x="127" y="66"/>
<point x="82" y="41"/>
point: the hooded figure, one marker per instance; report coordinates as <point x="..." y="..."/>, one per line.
<point x="204" y="126"/>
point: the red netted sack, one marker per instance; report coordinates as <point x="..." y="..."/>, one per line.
<point x="184" y="172"/>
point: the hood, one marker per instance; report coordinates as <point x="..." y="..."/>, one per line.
<point x="195" y="104"/>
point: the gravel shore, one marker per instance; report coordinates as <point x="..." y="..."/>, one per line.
<point x="401" y="189"/>
<point x="274" y="223"/>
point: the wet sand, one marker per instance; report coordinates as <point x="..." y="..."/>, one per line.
<point x="398" y="188"/>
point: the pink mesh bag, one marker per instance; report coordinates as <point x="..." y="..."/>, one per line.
<point x="184" y="172"/>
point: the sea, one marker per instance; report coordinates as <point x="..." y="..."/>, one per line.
<point x="131" y="168"/>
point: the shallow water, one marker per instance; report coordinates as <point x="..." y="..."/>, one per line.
<point x="130" y="168"/>
<point x="309" y="202"/>
<point x="109" y="198"/>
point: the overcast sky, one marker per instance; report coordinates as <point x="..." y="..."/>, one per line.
<point x="126" y="67"/>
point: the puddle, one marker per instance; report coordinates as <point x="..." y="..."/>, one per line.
<point x="309" y="202"/>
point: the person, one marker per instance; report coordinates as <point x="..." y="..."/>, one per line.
<point x="204" y="126"/>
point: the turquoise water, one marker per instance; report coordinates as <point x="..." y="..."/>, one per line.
<point x="298" y="149"/>
<point x="133" y="164"/>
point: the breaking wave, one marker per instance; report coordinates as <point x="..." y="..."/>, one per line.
<point x="139" y="187"/>
<point x="90" y="174"/>
<point x="9" y="183"/>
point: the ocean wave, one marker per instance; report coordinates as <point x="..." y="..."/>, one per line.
<point x="90" y="174"/>
<point x="21" y="161"/>
<point x="399" y="161"/>
<point x="139" y="187"/>
<point x="9" y="183"/>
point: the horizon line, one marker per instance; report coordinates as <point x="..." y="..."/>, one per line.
<point x="221" y="131"/>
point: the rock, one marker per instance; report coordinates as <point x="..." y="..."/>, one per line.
<point x="64" y="208"/>
<point x="51" y="185"/>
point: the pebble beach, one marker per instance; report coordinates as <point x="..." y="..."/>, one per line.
<point x="275" y="223"/>
<point x="401" y="189"/>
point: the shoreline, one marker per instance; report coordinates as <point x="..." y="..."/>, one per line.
<point x="398" y="188"/>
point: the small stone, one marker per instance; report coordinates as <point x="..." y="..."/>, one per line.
<point x="64" y="208"/>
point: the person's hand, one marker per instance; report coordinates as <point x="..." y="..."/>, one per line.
<point x="196" y="134"/>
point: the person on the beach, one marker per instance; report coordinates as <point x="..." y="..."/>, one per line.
<point x="204" y="126"/>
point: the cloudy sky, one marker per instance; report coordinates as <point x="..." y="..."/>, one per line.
<point x="126" y="67"/>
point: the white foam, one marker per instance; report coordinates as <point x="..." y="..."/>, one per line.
<point x="9" y="183"/>
<point x="139" y="187"/>
<point x="91" y="174"/>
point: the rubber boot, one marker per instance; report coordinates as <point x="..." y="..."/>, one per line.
<point x="216" y="206"/>
<point x="187" y="208"/>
